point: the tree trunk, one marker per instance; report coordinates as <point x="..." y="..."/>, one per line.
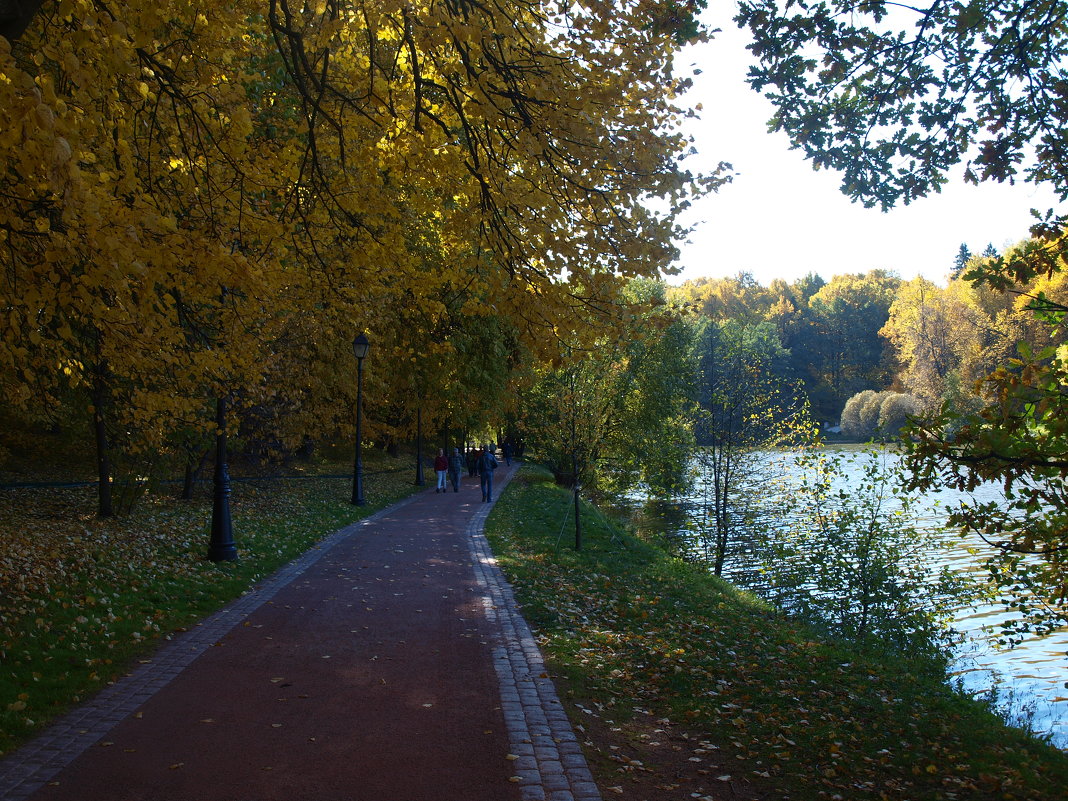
<point x="419" y="480"/>
<point x="192" y="475"/>
<point x="578" y="510"/>
<point x="222" y="547"/>
<point x="98" y="396"/>
<point x="187" y="483"/>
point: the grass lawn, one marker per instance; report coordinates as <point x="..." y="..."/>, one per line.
<point x="685" y="687"/>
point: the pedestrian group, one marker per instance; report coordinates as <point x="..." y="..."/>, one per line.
<point x="481" y="461"/>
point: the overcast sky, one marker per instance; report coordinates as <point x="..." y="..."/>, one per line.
<point x="781" y="219"/>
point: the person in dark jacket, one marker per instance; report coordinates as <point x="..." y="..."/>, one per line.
<point x="487" y="463"/>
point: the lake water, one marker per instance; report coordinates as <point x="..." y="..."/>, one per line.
<point x="1031" y="679"/>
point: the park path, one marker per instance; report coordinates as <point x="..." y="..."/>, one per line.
<point x="389" y="663"/>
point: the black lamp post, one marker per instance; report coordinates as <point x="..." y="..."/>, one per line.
<point x="360" y="346"/>
<point x="222" y="547"/>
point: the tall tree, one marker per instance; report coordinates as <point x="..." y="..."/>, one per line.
<point x="947" y="340"/>
<point x="622" y="410"/>
<point x="929" y="334"/>
<point x="960" y="263"/>
<point x="745" y="409"/>
<point x="653" y="443"/>
<point x="180" y="186"/>
<point x="840" y="344"/>
<point x="737" y="298"/>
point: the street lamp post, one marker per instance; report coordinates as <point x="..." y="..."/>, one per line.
<point x="360" y="346"/>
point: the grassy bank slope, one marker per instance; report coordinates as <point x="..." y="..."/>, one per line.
<point x="687" y="688"/>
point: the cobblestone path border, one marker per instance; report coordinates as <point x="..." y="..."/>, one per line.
<point x="550" y="764"/>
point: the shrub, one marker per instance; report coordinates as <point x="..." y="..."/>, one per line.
<point x="895" y="411"/>
<point x="870" y="414"/>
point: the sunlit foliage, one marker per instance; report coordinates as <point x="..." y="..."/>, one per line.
<point x="211" y="202"/>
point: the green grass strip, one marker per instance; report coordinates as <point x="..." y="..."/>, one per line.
<point x="632" y="631"/>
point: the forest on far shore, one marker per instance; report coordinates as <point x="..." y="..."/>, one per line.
<point x="870" y="348"/>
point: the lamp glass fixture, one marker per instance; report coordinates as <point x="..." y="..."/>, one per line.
<point x="360" y="346"/>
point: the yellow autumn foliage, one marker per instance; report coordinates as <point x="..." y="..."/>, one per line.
<point x="204" y="201"/>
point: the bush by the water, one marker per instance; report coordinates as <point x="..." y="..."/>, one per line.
<point x="871" y="415"/>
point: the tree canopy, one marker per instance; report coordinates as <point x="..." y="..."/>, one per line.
<point x="1017" y="438"/>
<point x="894" y="96"/>
<point x="201" y="202"/>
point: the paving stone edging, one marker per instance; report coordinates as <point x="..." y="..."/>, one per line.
<point x="550" y="765"/>
<point x="31" y="766"/>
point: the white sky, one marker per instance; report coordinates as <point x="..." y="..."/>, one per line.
<point x="781" y="219"/>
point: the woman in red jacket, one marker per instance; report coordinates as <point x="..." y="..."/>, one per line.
<point x="441" y="465"/>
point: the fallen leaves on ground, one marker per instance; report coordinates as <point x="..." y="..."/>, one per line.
<point x="81" y="597"/>
<point x="637" y="635"/>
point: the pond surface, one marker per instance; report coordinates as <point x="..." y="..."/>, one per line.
<point x="1030" y="679"/>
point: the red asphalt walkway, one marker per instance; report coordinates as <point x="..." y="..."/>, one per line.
<point x="387" y="664"/>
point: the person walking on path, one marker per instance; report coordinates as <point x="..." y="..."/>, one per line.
<point x="506" y="449"/>
<point x="456" y="467"/>
<point x="487" y="463"/>
<point x="441" y="466"/>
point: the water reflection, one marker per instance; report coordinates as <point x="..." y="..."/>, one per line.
<point x="1029" y="681"/>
